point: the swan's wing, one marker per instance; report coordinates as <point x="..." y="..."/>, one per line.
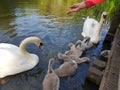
<point x="10" y="57"/>
<point x="89" y="28"/>
<point x="7" y="46"/>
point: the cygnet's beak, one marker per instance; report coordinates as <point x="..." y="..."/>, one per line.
<point x="41" y="46"/>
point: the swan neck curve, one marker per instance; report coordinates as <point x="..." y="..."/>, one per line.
<point x="22" y="48"/>
<point x="23" y="45"/>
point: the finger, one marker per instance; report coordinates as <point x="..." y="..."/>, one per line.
<point x="70" y="11"/>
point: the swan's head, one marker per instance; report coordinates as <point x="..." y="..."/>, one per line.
<point x="37" y="41"/>
<point x="34" y="40"/>
<point x="104" y="15"/>
<point x="80" y="46"/>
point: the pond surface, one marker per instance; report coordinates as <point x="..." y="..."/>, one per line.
<point x="46" y="19"/>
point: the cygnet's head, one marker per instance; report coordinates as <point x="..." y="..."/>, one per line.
<point x="86" y="40"/>
<point x="84" y="44"/>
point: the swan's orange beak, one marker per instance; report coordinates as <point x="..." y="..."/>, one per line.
<point x="41" y="46"/>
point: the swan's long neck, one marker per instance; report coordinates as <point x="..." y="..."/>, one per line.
<point x="23" y="45"/>
<point x="99" y="27"/>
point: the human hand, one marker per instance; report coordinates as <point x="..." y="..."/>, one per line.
<point x="76" y="7"/>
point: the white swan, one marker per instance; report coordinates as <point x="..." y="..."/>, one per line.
<point x="92" y="28"/>
<point x="14" y="60"/>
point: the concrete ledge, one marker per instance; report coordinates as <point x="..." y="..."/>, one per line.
<point x="95" y="72"/>
<point x="110" y="78"/>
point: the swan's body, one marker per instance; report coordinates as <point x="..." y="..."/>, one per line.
<point x="51" y="80"/>
<point x="92" y="28"/>
<point x="16" y="59"/>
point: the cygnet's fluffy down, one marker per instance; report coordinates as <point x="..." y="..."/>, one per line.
<point x="80" y="46"/>
<point x="105" y="53"/>
<point x="51" y="80"/>
<point x="76" y="51"/>
<point x="68" y="68"/>
<point x="75" y="58"/>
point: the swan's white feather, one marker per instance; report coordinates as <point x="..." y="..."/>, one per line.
<point x="13" y="62"/>
<point x="90" y="27"/>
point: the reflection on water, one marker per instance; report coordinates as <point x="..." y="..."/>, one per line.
<point x="47" y="20"/>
